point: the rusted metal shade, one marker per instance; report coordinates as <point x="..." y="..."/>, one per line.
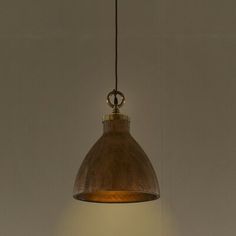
<point x="116" y="169"/>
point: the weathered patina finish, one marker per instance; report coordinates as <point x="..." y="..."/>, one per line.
<point x="116" y="169"/>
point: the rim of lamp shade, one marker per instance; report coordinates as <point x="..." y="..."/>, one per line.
<point x="111" y="197"/>
<point x="116" y="169"/>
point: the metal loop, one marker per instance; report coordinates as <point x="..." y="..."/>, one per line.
<point x="115" y="93"/>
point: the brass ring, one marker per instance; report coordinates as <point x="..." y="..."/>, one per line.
<point x="115" y="93"/>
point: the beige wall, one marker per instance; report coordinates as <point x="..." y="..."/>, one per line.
<point x="177" y="69"/>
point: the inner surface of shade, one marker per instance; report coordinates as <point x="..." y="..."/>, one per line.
<point x="116" y="196"/>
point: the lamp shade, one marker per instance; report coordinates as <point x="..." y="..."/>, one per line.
<point x="116" y="169"/>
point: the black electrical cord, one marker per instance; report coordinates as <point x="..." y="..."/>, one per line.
<point x="116" y="46"/>
<point x="116" y="104"/>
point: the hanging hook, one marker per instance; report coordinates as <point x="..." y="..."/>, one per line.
<point x="116" y="104"/>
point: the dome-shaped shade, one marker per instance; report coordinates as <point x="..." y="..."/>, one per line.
<point x="116" y="169"/>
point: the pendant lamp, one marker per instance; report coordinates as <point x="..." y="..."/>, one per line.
<point x="116" y="169"/>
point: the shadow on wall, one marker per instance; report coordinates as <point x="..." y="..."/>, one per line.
<point x="138" y="219"/>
